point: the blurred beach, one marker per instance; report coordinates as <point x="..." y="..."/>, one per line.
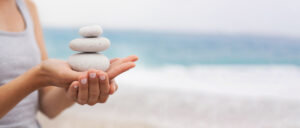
<point x="191" y="80"/>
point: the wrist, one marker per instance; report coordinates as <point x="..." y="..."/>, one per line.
<point x="40" y="76"/>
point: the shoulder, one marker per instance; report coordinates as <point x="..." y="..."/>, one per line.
<point x="31" y="7"/>
<point x="37" y="27"/>
<point x="32" y="11"/>
<point x="30" y="4"/>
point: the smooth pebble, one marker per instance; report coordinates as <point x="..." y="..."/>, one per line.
<point x="89" y="44"/>
<point x="91" y="31"/>
<point x="85" y="61"/>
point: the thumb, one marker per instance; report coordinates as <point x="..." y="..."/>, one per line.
<point x="72" y="75"/>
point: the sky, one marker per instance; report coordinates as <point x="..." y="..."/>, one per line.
<point x="266" y="17"/>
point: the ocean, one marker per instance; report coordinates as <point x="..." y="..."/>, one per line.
<point x="192" y="80"/>
<point x="165" y="48"/>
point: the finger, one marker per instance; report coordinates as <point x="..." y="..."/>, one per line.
<point x="83" y="90"/>
<point x="72" y="91"/>
<point x="104" y="86"/>
<point x="114" y="60"/>
<point x="104" y="99"/>
<point x="131" y="58"/>
<point x="93" y="90"/>
<point x="112" y="73"/>
<point x="113" y="87"/>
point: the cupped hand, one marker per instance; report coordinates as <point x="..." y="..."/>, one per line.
<point x="95" y="86"/>
<point x="91" y="88"/>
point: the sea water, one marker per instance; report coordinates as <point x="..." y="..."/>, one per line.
<point x="164" y="48"/>
<point x="246" y="65"/>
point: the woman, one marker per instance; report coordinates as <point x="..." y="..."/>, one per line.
<point x="29" y="81"/>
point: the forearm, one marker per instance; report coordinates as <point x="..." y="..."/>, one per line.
<point x="14" y="91"/>
<point x="54" y="101"/>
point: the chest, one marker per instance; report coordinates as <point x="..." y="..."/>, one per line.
<point x="11" y="19"/>
<point x="17" y="55"/>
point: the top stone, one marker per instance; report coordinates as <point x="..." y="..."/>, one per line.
<point x="91" y="31"/>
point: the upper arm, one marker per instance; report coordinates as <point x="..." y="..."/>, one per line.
<point x="39" y="39"/>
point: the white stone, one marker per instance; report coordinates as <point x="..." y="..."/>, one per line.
<point x="90" y="44"/>
<point x="91" y="31"/>
<point x="85" y="61"/>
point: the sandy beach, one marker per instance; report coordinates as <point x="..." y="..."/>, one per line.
<point x="146" y="108"/>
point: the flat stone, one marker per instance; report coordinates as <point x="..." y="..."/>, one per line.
<point x="85" y="61"/>
<point x="91" y="31"/>
<point x="90" y="44"/>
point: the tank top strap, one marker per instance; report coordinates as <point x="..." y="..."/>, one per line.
<point x="26" y="15"/>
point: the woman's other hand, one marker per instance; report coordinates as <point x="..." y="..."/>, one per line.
<point x="91" y="88"/>
<point x="58" y="73"/>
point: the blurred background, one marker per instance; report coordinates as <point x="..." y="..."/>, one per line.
<point x="203" y="63"/>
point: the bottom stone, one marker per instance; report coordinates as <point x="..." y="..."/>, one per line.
<point x="85" y="61"/>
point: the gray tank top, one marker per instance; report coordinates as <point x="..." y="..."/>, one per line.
<point x="19" y="53"/>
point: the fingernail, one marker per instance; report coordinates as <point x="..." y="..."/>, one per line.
<point x="76" y="86"/>
<point x="92" y="75"/>
<point x="83" y="81"/>
<point x="102" y="77"/>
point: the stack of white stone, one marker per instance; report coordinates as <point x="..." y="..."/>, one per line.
<point x="89" y="46"/>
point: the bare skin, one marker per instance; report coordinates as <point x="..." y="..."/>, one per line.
<point x="10" y="12"/>
<point x="59" y="86"/>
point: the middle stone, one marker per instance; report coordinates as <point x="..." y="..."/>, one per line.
<point x="90" y="44"/>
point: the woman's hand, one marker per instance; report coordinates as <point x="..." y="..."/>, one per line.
<point x="58" y="73"/>
<point x="95" y="86"/>
<point x="91" y="88"/>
